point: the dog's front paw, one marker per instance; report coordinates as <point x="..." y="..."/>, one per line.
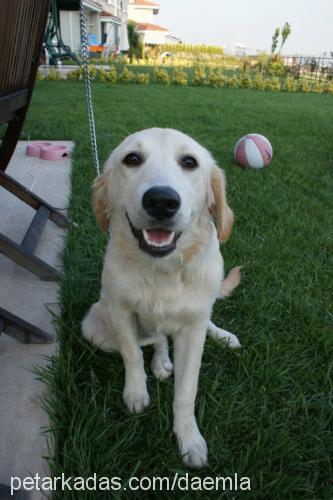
<point x="222" y="335"/>
<point x="232" y="341"/>
<point x="136" y="399"/>
<point x="192" y="447"/>
<point x="161" y="366"/>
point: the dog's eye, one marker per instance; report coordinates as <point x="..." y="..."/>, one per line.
<point x="133" y="160"/>
<point x="188" y="162"/>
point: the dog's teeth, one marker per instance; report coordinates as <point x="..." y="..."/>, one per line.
<point x="156" y="243"/>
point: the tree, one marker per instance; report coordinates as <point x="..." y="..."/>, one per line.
<point x="135" y="44"/>
<point x="285" y="32"/>
<point x="275" y="40"/>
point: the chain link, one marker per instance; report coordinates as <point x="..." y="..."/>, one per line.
<point x="87" y="87"/>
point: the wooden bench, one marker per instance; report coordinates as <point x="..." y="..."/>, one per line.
<point x="22" y="27"/>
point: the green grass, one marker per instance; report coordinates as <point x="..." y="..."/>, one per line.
<point x="265" y="411"/>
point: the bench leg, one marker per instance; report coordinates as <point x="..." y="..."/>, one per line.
<point x="21" y="330"/>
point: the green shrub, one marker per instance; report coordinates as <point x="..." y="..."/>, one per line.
<point x="329" y="87"/>
<point x="290" y="84"/>
<point x="233" y="82"/>
<point x="216" y="78"/>
<point x="193" y="49"/>
<point x="109" y="75"/>
<point x="273" y="84"/>
<point x="179" y="77"/>
<point x="135" y="44"/>
<point x="258" y="82"/>
<point x="142" y="78"/>
<point x="245" y="64"/>
<point x="277" y="69"/>
<point x="263" y="61"/>
<point x="318" y="87"/>
<point x="162" y="76"/>
<point x="53" y="74"/>
<point x="101" y="75"/>
<point x="74" y="75"/>
<point x="303" y="86"/>
<point x="39" y="75"/>
<point x="245" y="81"/>
<point x="199" y="77"/>
<point x="92" y="71"/>
<point x="126" y="76"/>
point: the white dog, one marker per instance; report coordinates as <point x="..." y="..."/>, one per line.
<point x="163" y="269"/>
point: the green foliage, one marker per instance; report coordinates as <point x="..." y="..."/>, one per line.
<point x="200" y="77"/>
<point x="216" y="78"/>
<point x="245" y="64"/>
<point x="258" y="82"/>
<point x="329" y="87"/>
<point x="39" y="75"/>
<point x="92" y="71"/>
<point x="109" y="76"/>
<point x="233" y="82"/>
<point x="245" y="81"/>
<point x="161" y="76"/>
<point x="193" y="49"/>
<point x="275" y="40"/>
<point x="277" y="68"/>
<point x="303" y="85"/>
<point x="142" y="78"/>
<point x="74" y="75"/>
<point x="285" y="32"/>
<point x="262" y="62"/>
<point x="273" y="84"/>
<point x="290" y="84"/>
<point x="179" y="77"/>
<point x="126" y="76"/>
<point x="318" y="87"/>
<point x="53" y="74"/>
<point x="135" y="44"/>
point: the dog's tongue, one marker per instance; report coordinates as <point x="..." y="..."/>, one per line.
<point x="159" y="235"/>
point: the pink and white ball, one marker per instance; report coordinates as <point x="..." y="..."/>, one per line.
<point x="253" y="150"/>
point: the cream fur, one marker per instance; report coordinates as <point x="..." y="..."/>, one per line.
<point x="145" y="299"/>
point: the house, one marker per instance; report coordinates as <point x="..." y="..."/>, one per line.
<point x="143" y="13"/>
<point x="106" y="24"/>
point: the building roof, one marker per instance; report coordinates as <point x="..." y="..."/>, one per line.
<point x="146" y="2"/>
<point x="149" y="27"/>
<point x="106" y="14"/>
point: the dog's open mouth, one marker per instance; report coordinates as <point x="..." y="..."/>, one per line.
<point x="157" y="241"/>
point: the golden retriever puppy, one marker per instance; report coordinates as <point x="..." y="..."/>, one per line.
<point x="163" y="270"/>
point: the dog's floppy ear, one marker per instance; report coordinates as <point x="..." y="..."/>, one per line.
<point x="220" y="208"/>
<point x="100" y="202"/>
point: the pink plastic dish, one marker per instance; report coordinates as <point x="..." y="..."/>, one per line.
<point x="34" y="148"/>
<point x="54" y="152"/>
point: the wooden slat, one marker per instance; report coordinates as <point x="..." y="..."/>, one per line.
<point x="32" y="199"/>
<point x="22" y="27"/>
<point x="13" y="102"/>
<point x="30" y="262"/>
<point x="22" y="330"/>
<point x="32" y="236"/>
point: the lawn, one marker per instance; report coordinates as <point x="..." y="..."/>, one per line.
<point x="266" y="411"/>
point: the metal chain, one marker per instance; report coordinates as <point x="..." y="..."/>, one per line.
<point x="87" y="87"/>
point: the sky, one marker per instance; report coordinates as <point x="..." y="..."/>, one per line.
<point x="251" y="22"/>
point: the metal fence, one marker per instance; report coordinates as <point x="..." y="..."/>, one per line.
<point x="310" y="67"/>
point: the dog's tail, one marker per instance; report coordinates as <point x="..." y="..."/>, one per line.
<point x="230" y="282"/>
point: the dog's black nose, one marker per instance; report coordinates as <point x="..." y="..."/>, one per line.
<point x="161" y="202"/>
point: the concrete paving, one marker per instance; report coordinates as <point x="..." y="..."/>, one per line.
<point x="22" y="444"/>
